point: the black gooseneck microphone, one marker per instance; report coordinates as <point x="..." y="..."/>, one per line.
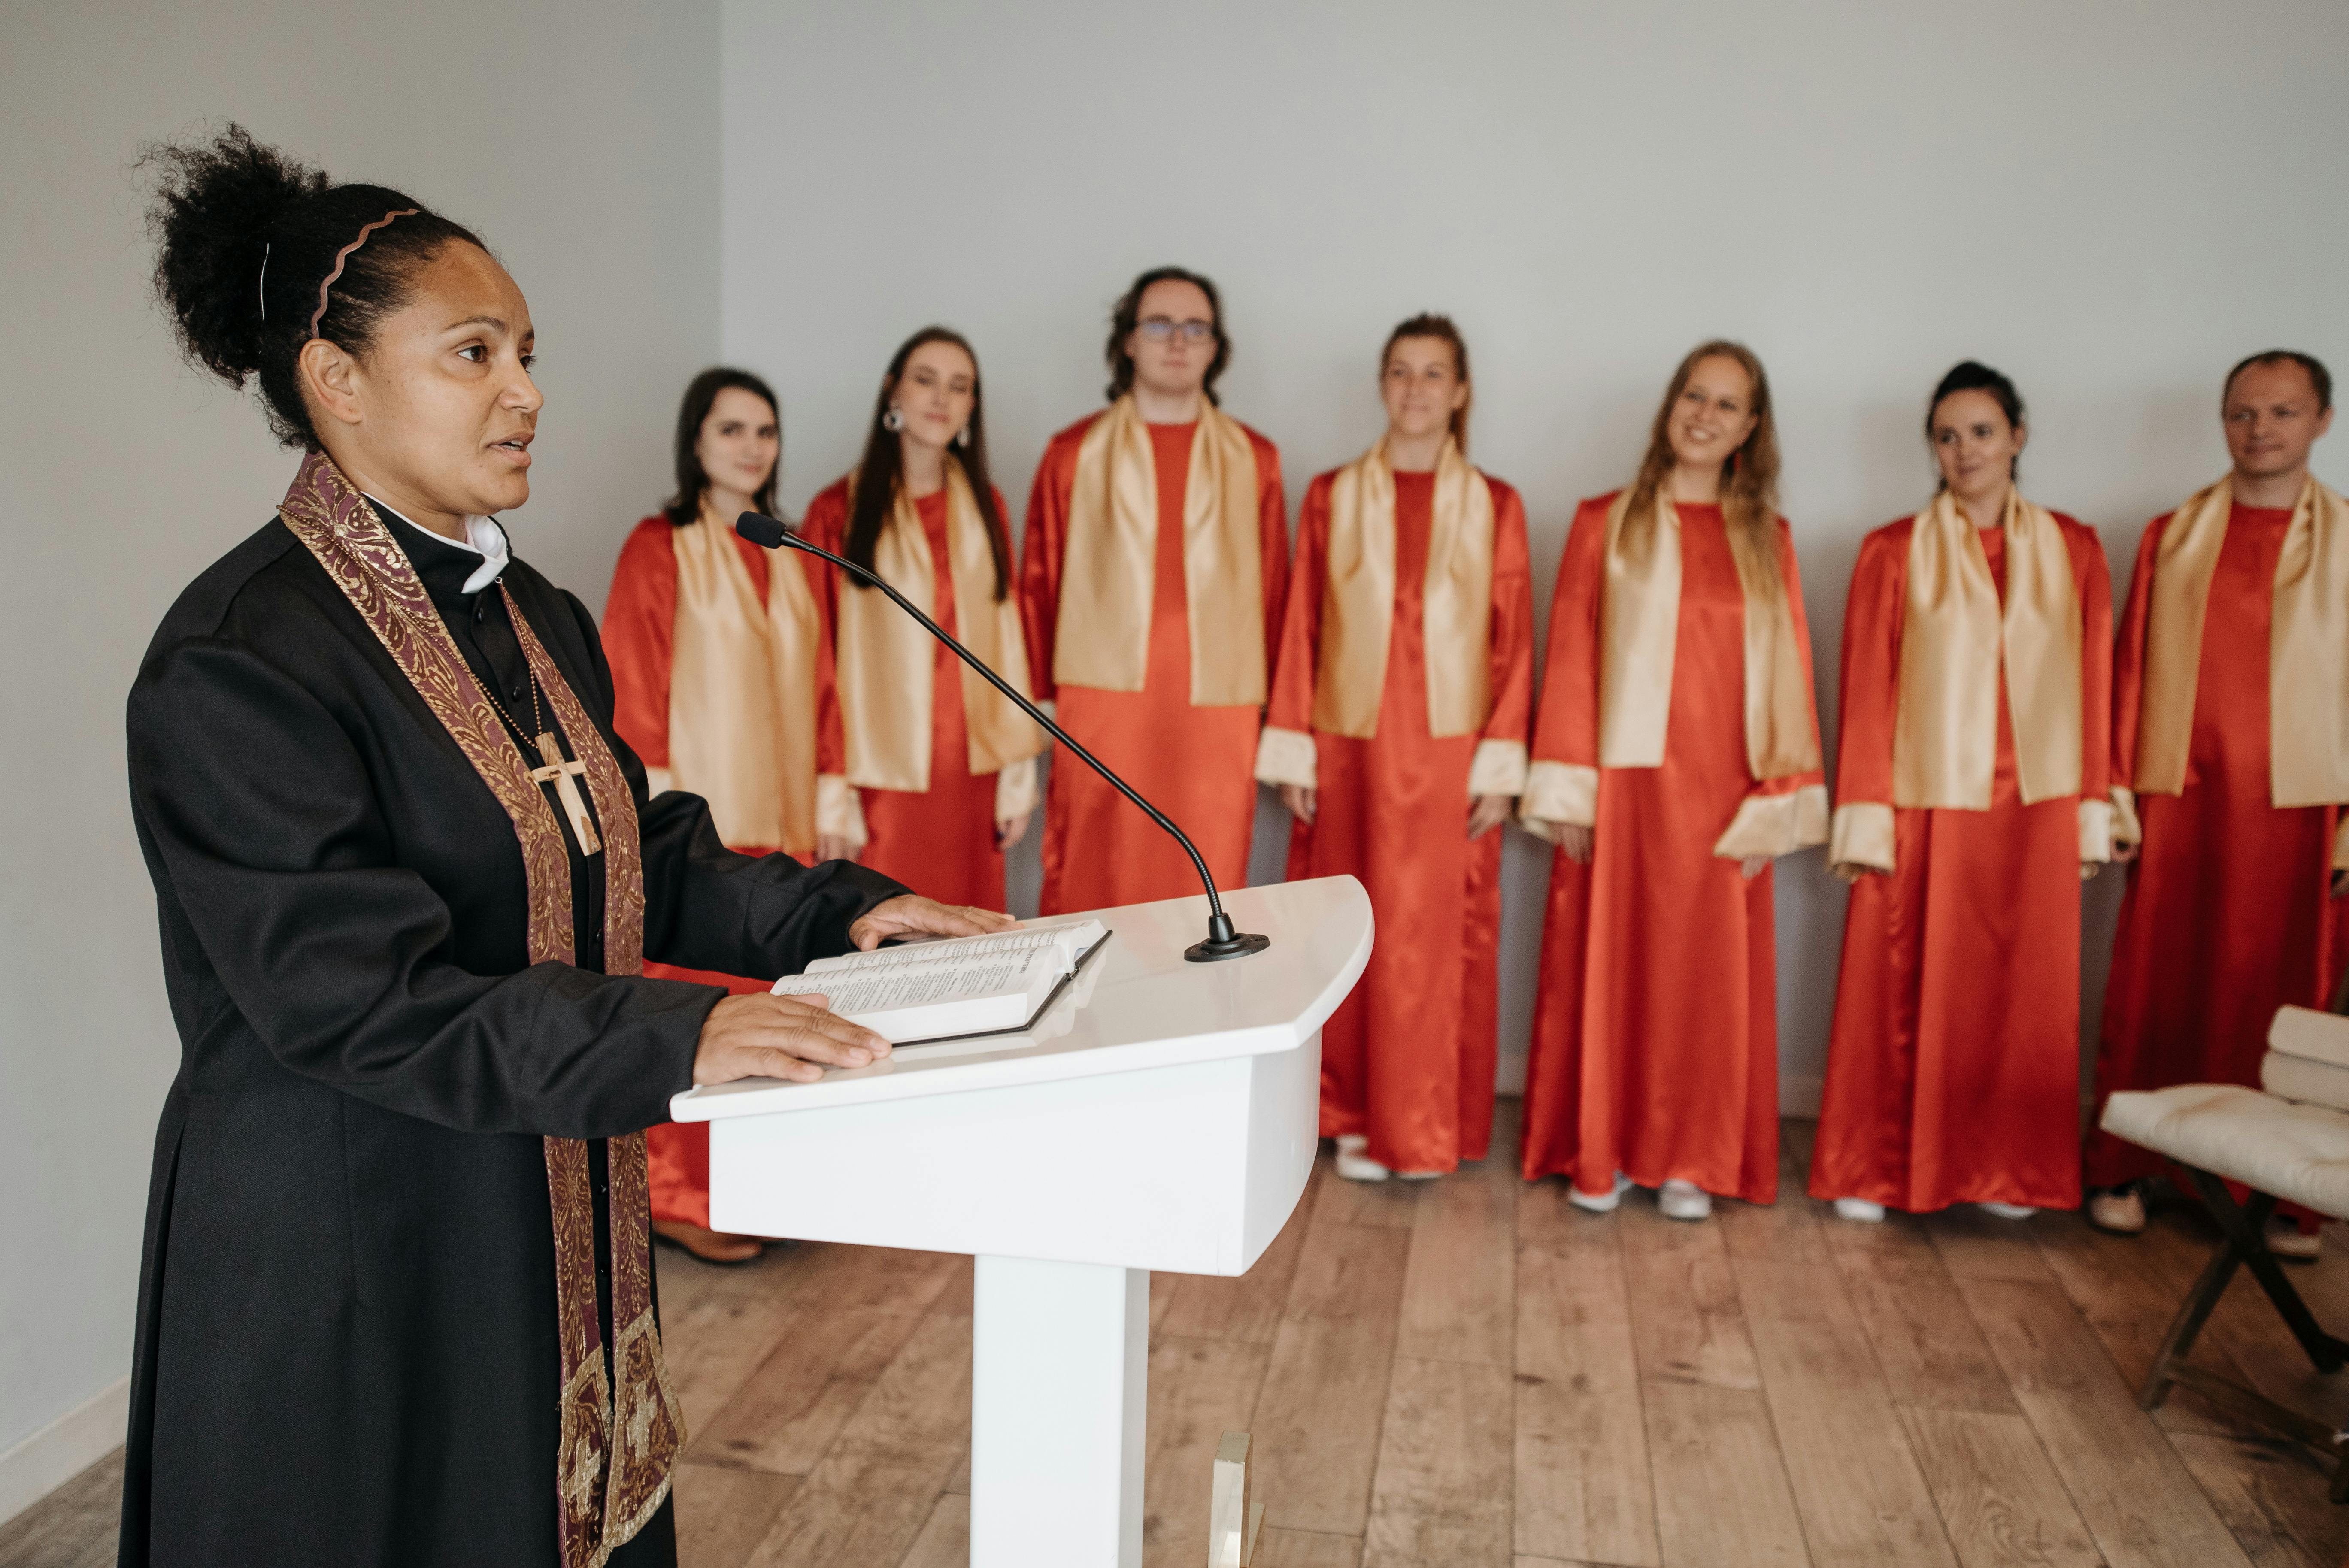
<point x="1224" y="940"/>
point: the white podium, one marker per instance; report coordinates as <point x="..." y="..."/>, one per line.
<point x="1160" y="1115"/>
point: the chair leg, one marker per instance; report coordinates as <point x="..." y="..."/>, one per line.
<point x="2244" y="1227"/>
<point x="2187" y="1327"/>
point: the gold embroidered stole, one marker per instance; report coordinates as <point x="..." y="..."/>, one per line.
<point x="1357" y="602"/>
<point x="742" y="689"/>
<point x="2308" y="647"/>
<point x="886" y="660"/>
<point x="615" y="1460"/>
<point x="1954" y="636"/>
<point x="1639" y="638"/>
<point x="1107" y="576"/>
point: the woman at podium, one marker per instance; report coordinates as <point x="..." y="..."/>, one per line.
<point x="1401" y="692"/>
<point x="396" y="1301"/>
<point x="723" y="688"/>
<point x="945" y="763"/>
<point x="1676" y="755"/>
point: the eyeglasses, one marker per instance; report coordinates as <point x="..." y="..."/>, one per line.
<point x="1159" y="328"/>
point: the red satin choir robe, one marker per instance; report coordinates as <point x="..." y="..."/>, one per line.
<point x="1195" y="764"/>
<point x="2228" y="914"/>
<point x="1954" y="1067"/>
<point x="1408" y="1058"/>
<point x="941" y="841"/>
<point x="638" y="621"/>
<point x="1655" y="1040"/>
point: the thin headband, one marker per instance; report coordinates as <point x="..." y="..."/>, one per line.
<point x="343" y="255"/>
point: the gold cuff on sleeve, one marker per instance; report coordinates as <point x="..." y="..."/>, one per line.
<point x="1287" y="757"/>
<point x="1558" y="795"/>
<point x="1775" y="825"/>
<point x="2095" y="831"/>
<point x="838" y="813"/>
<point x="1015" y="788"/>
<point x="1862" y="836"/>
<point x="1498" y="768"/>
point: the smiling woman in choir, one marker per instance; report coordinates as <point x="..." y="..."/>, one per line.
<point x="946" y="764"/>
<point x="723" y="687"/>
<point x="396" y="1302"/>
<point x="1971" y="789"/>
<point x="1676" y="754"/>
<point x="1397" y="735"/>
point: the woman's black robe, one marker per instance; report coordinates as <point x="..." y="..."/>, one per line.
<point x="347" y="1336"/>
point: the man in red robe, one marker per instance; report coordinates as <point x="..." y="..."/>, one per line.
<point x="2228" y="689"/>
<point x="1155" y="558"/>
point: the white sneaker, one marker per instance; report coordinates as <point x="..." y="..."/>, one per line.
<point x="1599" y="1203"/>
<point x="1678" y="1200"/>
<point x="1860" y="1211"/>
<point x="2119" y="1210"/>
<point x="2007" y="1210"/>
<point x="2285" y="1240"/>
<point x="1356" y="1166"/>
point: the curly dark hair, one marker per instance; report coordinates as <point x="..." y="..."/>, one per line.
<point x="1126" y="314"/>
<point x="246" y="234"/>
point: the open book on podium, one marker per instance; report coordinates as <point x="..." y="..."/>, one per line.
<point x="953" y="987"/>
<point x="1155" y="1114"/>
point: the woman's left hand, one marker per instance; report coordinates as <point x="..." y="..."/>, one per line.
<point x="1010" y="831"/>
<point x="911" y="914"/>
<point x="1752" y="866"/>
<point x="1487" y="813"/>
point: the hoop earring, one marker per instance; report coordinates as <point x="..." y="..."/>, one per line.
<point x="893" y="421"/>
<point x="962" y="437"/>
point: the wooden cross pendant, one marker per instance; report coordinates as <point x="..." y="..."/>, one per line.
<point x="560" y="773"/>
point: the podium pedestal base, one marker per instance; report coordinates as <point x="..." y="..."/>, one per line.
<point x="1059" y="1376"/>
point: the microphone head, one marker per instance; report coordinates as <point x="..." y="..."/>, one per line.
<point x="761" y="530"/>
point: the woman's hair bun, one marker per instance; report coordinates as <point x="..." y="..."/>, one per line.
<point x="245" y="236"/>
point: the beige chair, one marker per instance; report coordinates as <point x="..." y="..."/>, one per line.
<point x="2290" y="1141"/>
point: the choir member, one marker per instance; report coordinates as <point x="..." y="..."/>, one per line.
<point x="945" y="763"/>
<point x="1401" y="697"/>
<point x="2231" y="765"/>
<point x="1971" y="800"/>
<point x="724" y="690"/>
<point x="1155" y="554"/>
<point x="396" y="1303"/>
<point x="1676" y="755"/>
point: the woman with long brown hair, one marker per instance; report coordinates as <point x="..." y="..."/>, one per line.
<point x="723" y="686"/>
<point x="1676" y="755"/>
<point x="946" y="764"/>
<point x="1400" y="696"/>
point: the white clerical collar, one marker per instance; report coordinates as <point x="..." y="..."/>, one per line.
<point x="483" y="537"/>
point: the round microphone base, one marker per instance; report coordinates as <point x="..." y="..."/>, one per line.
<point x="1214" y="948"/>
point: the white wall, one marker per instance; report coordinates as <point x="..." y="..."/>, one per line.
<point x="2111" y="201"/>
<point x="581" y="141"/>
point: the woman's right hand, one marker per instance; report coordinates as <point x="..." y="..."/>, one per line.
<point x="1575" y="841"/>
<point x="789" y="1037"/>
<point x="1302" y="801"/>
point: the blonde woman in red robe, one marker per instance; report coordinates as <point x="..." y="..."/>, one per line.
<point x="1400" y="697"/>
<point x="945" y="765"/>
<point x="1971" y="802"/>
<point x="1152" y="568"/>
<point x="2230" y="766"/>
<point x="724" y="689"/>
<point x="1675" y="756"/>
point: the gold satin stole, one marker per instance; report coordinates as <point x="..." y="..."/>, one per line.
<point x="1109" y="572"/>
<point x="1357" y="602"/>
<point x="884" y="661"/>
<point x="1954" y="636"/>
<point x="741" y="692"/>
<point x="1638" y="636"/>
<point x="2308" y="647"/>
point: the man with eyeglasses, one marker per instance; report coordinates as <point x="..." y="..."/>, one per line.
<point x="1156" y="553"/>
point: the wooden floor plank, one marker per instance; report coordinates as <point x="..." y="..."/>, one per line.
<point x="2272" y="1495"/>
<point x="1722" y="1496"/>
<point x="788" y="1411"/>
<point x="1245" y="1308"/>
<point x="75" y="1526"/>
<point x="1974" y="1244"/>
<point x="721" y="1513"/>
<point x="1584" y="1491"/>
<point x="945" y="1540"/>
<point x="1391" y="1204"/>
<point x="1459" y="1297"/>
<point x="1442" y="1498"/>
<point x="1927" y="1347"/>
<point x="1325" y="1388"/>
<point x="2133" y="1491"/>
<point x="1306" y="1549"/>
<point x="1199" y="1390"/>
<point x="1685" y="1316"/>
<point x="872" y="1495"/>
<point x="1998" y="1497"/>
